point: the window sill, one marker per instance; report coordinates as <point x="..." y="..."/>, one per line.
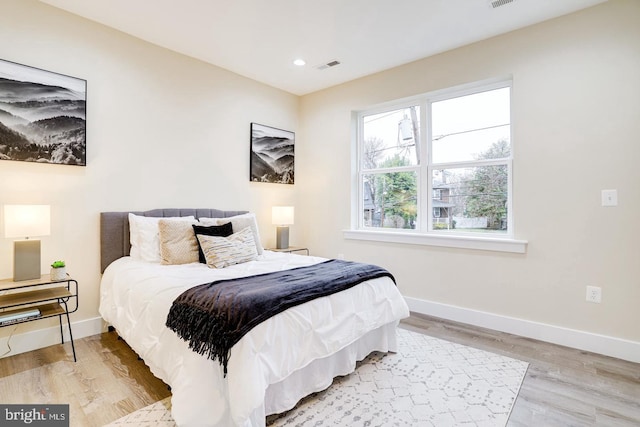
<point x="449" y="241"/>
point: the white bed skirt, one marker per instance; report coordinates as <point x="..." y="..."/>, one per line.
<point x="319" y="374"/>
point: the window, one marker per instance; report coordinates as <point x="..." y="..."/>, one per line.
<point x="454" y="146"/>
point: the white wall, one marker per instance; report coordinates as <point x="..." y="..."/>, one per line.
<point x="576" y="110"/>
<point x="163" y="130"/>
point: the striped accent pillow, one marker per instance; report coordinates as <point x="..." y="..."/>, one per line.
<point x="222" y="252"/>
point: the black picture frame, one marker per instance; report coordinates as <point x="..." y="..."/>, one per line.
<point x="272" y="155"/>
<point x="43" y="116"/>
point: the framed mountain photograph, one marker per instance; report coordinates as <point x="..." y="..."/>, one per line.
<point x="42" y="116"/>
<point x="272" y="154"/>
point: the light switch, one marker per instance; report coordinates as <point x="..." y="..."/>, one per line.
<point x="609" y="197"/>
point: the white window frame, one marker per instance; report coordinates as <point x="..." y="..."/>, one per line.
<point x="424" y="233"/>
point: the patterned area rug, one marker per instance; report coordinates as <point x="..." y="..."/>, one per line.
<point x="429" y="382"/>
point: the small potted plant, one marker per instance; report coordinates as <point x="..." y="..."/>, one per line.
<point x="58" y="270"/>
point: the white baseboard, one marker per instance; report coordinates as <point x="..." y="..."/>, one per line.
<point x="601" y="344"/>
<point x="40" y="338"/>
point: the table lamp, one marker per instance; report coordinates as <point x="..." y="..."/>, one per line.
<point x="282" y="216"/>
<point x="25" y="221"/>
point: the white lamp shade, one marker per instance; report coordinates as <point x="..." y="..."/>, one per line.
<point x="282" y="215"/>
<point x="26" y="220"/>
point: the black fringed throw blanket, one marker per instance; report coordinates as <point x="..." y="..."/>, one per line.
<point x="214" y="316"/>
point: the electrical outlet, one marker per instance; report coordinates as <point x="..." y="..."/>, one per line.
<point x="594" y="294"/>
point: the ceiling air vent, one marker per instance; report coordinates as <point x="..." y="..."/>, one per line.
<point x="328" y="65"/>
<point x="498" y="3"/>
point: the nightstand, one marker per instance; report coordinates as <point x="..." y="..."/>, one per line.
<point x="37" y="299"/>
<point x="290" y="249"/>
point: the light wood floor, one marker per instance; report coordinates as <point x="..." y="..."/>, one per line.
<point x="563" y="386"/>
<point x="107" y="382"/>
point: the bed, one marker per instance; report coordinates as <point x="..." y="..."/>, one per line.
<point x="288" y="356"/>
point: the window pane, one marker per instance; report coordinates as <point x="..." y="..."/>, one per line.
<point x="468" y="127"/>
<point x="471" y="199"/>
<point x="389" y="139"/>
<point x="390" y="200"/>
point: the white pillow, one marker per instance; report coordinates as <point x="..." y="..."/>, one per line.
<point x="238" y="223"/>
<point x="144" y="236"/>
<point x="222" y="252"/>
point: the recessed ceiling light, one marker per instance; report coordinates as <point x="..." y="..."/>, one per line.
<point x="299" y="62"/>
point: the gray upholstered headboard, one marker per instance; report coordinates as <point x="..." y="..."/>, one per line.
<point x="114" y="229"/>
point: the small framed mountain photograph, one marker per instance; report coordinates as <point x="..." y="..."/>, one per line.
<point x="272" y="154"/>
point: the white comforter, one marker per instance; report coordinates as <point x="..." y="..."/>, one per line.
<point x="136" y="296"/>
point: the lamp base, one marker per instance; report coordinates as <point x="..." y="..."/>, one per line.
<point x="26" y="260"/>
<point x="282" y="237"/>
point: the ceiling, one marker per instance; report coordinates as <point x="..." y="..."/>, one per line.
<point x="260" y="39"/>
